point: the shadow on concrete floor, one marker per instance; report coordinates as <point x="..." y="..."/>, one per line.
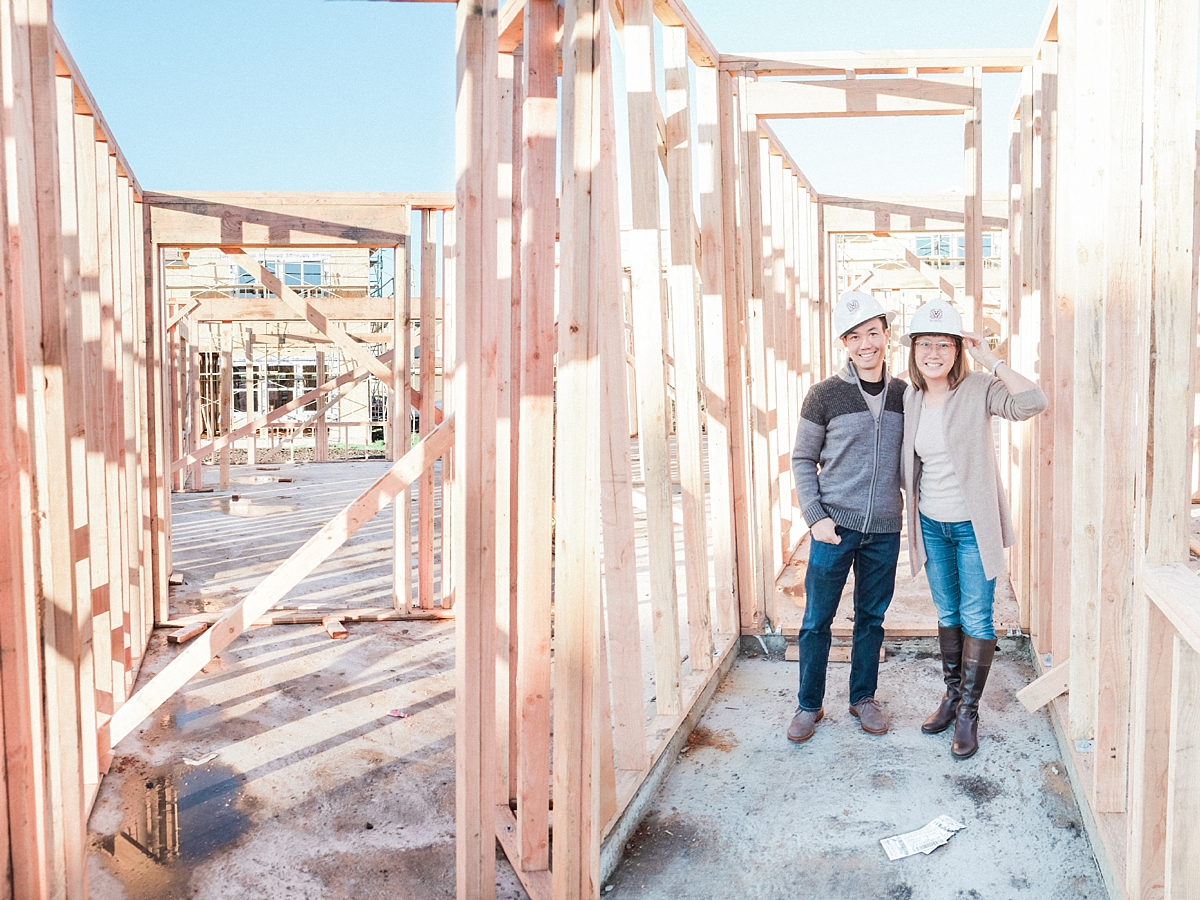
<point x="747" y="814"/>
<point x="304" y="787"/>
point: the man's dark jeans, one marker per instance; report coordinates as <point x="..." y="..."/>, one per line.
<point x="874" y="559"/>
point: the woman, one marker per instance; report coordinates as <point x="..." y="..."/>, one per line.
<point x="958" y="517"/>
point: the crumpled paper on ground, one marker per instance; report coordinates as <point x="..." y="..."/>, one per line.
<point x="923" y="840"/>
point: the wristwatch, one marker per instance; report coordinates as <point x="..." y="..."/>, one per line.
<point x="995" y="366"/>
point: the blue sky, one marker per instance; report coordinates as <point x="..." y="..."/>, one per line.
<point x="314" y="95"/>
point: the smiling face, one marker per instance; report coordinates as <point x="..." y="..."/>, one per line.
<point x="866" y="345"/>
<point x="934" y="355"/>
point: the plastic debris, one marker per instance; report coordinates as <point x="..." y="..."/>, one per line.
<point x="207" y="757"/>
<point x="397" y="714"/>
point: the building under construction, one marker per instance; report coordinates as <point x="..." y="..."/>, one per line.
<point x="573" y="436"/>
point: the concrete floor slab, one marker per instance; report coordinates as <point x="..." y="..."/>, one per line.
<point x="745" y="813"/>
<point x="316" y="792"/>
<point x="313" y="791"/>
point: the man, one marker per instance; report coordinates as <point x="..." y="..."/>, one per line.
<point x="847" y="468"/>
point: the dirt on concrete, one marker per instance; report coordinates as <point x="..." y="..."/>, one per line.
<point x="758" y="816"/>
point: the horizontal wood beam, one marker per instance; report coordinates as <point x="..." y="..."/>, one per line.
<point x="293" y="340"/>
<point x="286" y="576"/>
<point x="305" y="615"/>
<point x="315" y="201"/>
<point x="907" y="213"/>
<point x="1175" y="590"/>
<point x="876" y="62"/>
<point x="269" y="309"/>
<point x="266" y="218"/>
<point x="855" y="97"/>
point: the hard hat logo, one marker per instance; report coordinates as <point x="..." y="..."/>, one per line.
<point x="935" y="317"/>
<point x="853" y="308"/>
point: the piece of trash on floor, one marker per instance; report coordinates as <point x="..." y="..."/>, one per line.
<point x="397" y="714"/>
<point x="924" y="840"/>
<point x="207" y="757"/>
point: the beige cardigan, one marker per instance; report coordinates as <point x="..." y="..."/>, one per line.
<point x="968" y="421"/>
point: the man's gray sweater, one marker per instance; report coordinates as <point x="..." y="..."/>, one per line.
<point x="846" y="461"/>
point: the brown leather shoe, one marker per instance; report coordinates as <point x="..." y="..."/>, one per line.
<point x="804" y="722"/>
<point x="870" y="716"/>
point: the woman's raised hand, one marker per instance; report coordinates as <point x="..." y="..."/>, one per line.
<point x="978" y="348"/>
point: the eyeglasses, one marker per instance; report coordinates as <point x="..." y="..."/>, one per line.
<point x="939" y="346"/>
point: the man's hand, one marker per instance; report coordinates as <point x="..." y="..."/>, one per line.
<point x="825" y="531"/>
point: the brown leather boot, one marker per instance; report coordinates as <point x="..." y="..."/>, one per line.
<point x="951" y="641"/>
<point x="976" y="663"/>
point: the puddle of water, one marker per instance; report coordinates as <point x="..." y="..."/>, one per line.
<point x="174" y="820"/>
<point x="184" y="720"/>
<point x="256" y="479"/>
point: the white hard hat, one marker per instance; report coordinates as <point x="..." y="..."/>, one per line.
<point x="935" y="317"/>
<point x="853" y="308"/>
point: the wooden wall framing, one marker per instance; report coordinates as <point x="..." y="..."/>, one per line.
<point x="1084" y="588"/>
<point x="687" y="331"/>
<point x="297" y="221"/>
<point x="84" y="571"/>
<point x="1092" y="300"/>
<point x="727" y="333"/>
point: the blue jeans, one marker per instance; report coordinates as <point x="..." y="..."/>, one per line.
<point x="962" y="594"/>
<point x="874" y="559"/>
